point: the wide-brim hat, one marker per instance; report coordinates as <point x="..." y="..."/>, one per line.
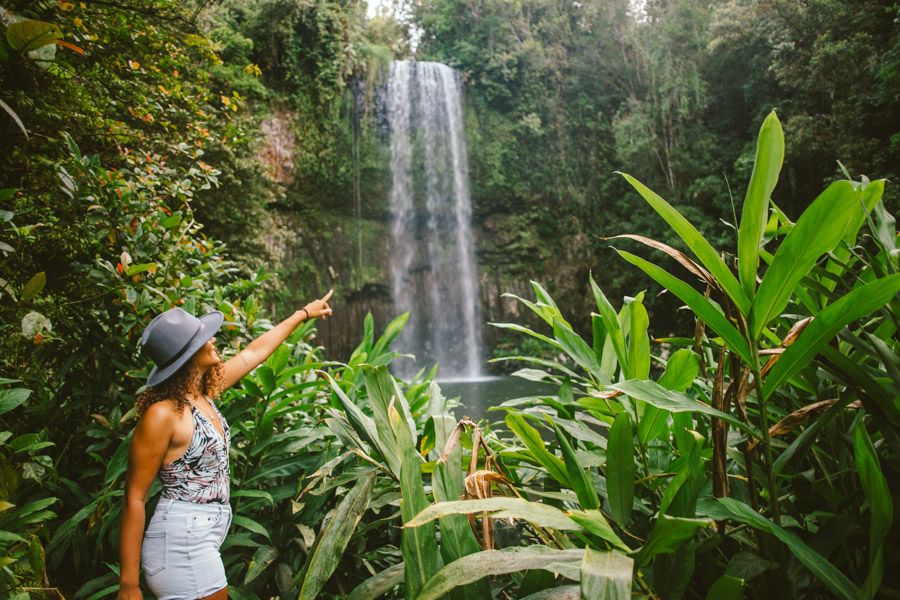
<point x="173" y="337"/>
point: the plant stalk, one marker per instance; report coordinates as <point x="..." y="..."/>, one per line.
<point x="764" y="431"/>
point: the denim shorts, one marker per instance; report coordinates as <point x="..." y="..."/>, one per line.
<point x="180" y="554"/>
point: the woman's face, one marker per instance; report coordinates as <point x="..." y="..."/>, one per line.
<point x="207" y="355"/>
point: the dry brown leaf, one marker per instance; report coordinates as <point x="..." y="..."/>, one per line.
<point x="678" y="255"/>
<point x="453" y="439"/>
<point x="799" y="417"/>
<point x="789" y="339"/>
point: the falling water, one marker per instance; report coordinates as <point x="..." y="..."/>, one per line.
<point x="431" y="259"/>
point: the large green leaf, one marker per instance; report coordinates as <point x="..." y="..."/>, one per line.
<point x="63" y="534"/>
<point x="668" y="534"/>
<point x="606" y="575"/>
<point x="535" y="445"/>
<point x="638" y="341"/>
<point x="34" y="286"/>
<point x="697" y="243"/>
<point x="875" y="396"/>
<point x="30" y="508"/>
<point x="384" y="391"/>
<point x="500" y="507"/>
<point x="881" y="507"/>
<point x="365" y="427"/>
<point x="580" y="478"/>
<point x="8" y="537"/>
<point x="381" y="392"/>
<point x="681" y="369"/>
<point x="544" y="307"/>
<point x="680" y="496"/>
<point x="378" y="584"/>
<point x="391" y="332"/>
<point x="870" y="196"/>
<point x="335" y="536"/>
<point x="594" y="522"/>
<point x="726" y="587"/>
<point x="11" y="398"/>
<point x="702" y="307"/>
<point x="529" y="332"/>
<point x="817" y="231"/>
<point x="361" y="352"/>
<point x="251" y="525"/>
<point x="620" y="469"/>
<point x="496" y="562"/>
<point x="261" y="494"/>
<point x="543" y="296"/>
<point x="729" y="508"/>
<point x="538" y="361"/>
<point x="611" y="323"/>
<point x="418" y="543"/>
<point x="447" y="483"/>
<point x="563" y="592"/>
<point x="766" y="168"/>
<point x="582" y="432"/>
<point x="578" y="349"/>
<point x="262" y="560"/>
<point x="674" y="402"/>
<point x="31" y="34"/>
<point x="860" y="302"/>
<point x="884" y="230"/>
<point x="119" y="461"/>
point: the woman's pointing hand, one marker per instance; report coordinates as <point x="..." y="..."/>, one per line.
<point x="320" y="307"/>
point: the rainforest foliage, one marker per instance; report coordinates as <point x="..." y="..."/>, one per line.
<point x="156" y="153"/>
<point x="564" y="93"/>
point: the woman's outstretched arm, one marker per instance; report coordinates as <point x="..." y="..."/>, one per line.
<point x="259" y="349"/>
<point x="149" y="444"/>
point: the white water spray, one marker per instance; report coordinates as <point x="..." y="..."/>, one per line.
<point x="432" y="264"/>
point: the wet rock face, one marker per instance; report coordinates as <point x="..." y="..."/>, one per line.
<point x="353" y="248"/>
<point x="277" y="151"/>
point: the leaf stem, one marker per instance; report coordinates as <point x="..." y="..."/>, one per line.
<point x="764" y="431"/>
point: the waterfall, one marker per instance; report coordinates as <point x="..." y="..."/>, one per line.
<point x="432" y="264"/>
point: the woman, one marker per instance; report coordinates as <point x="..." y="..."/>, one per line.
<point x="188" y="449"/>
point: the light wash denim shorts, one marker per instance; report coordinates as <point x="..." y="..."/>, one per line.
<point x="180" y="554"/>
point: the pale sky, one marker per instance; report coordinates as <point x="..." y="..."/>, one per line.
<point x="373" y="7"/>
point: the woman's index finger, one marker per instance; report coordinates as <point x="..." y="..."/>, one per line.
<point x="327" y="296"/>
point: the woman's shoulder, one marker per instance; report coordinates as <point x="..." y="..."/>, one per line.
<point x="162" y="412"/>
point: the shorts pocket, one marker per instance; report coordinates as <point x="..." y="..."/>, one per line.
<point x="203" y="521"/>
<point x="153" y="552"/>
<point x="224" y="526"/>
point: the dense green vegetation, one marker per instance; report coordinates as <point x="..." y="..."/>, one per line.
<point x="129" y="135"/>
<point x="719" y="472"/>
<point x="561" y="94"/>
<point x="739" y="449"/>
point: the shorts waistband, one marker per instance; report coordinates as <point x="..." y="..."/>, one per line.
<point x="168" y="505"/>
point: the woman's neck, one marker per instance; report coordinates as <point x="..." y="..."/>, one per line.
<point x="194" y="380"/>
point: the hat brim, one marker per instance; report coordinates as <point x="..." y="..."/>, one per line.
<point x="210" y="323"/>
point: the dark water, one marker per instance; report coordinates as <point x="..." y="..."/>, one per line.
<point x="476" y="396"/>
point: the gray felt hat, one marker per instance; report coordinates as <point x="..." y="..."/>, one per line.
<point x="173" y="337"/>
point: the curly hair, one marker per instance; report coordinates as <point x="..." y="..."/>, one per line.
<point x="179" y="385"/>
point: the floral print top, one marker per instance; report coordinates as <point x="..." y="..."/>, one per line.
<point x="200" y="475"/>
